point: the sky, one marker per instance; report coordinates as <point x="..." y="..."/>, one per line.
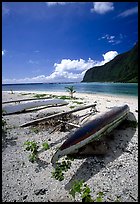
<point x="48" y="42"/>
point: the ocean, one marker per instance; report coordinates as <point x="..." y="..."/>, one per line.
<point x="92" y="87"/>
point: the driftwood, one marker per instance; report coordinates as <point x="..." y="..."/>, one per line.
<point x="71" y="124"/>
<point x="56" y="115"/>
<point x="28" y="99"/>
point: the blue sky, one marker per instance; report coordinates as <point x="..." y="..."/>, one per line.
<point x="59" y="41"/>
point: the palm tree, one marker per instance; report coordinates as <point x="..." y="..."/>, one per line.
<point x="71" y="90"/>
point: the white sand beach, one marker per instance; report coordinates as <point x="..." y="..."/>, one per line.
<point x="115" y="173"/>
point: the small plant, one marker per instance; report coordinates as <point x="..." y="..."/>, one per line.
<point x="76" y="188"/>
<point x="33" y="147"/>
<point x="12" y="91"/>
<point x="40" y="95"/>
<point x="84" y="190"/>
<point x="86" y="197"/>
<point x="60" y="167"/>
<point x="54" y="96"/>
<point x="72" y="107"/>
<point x="100" y="197"/>
<point x="34" y="129"/>
<point x="32" y="157"/>
<point x="64" y="97"/>
<point x="78" y="102"/>
<point x="45" y="146"/>
<point x="58" y="174"/>
<point x="23" y="94"/>
<point x="71" y="90"/>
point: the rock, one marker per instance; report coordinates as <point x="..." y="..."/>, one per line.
<point x="40" y="191"/>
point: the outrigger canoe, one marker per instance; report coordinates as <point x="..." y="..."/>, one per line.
<point x="92" y="130"/>
<point x="9" y="109"/>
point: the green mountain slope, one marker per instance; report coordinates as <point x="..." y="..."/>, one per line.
<point x="123" y="68"/>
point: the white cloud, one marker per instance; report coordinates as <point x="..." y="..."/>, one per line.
<point x="67" y="70"/>
<point x="74" y="65"/>
<point x="102" y="7"/>
<point x="129" y="12"/>
<point x="109" y="56"/>
<point x="33" y="62"/>
<point x="55" y="3"/>
<point x="3" y="52"/>
<point x="112" y="39"/>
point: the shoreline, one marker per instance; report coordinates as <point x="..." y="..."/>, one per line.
<point x="115" y="174"/>
<point x="82" y="93"/>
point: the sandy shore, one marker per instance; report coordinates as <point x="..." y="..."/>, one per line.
<point x="115" y="173"/>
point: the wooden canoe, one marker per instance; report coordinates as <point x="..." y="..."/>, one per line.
<point x="92" y="130"/>
<point x="9" y="109"/>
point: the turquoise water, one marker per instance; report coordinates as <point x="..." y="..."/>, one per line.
<point x="92" y="87"/>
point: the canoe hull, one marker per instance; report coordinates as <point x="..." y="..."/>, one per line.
<point x="92" y="130"/>
<point x="9" y="109"/>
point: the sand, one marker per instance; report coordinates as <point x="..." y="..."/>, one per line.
<point x="115" y="173"/>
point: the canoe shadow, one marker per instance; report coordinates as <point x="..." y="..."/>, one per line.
<point x="117" y="142"/>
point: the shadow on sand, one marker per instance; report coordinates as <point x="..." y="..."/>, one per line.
<point x="40" y="165"/>
<point x="7" y="141"/>
<point x="117" y="142"/>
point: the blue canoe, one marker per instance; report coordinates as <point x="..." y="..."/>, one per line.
<point x="92" y="130"/>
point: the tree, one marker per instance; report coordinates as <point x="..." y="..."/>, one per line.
<point x="71" y="90"/>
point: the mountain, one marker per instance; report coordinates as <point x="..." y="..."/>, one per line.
<point x="123" y="68"/>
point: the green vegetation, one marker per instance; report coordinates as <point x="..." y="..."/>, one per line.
<point x="35" y="129"/>
<point x="71" y="90"/>
<point x="45" y="145"/>
<point x="72" y="107"/>
<point x="33" y="148"/>
<point x="12" y="91"/>
<point x="61" y="97"/>
<point x="123" y="68"/>
<point x="58" y="173"/>
<point x="84" y="190"/>
<point x="99" y="197"/>
<point x="76" y="188"/>
<point x="64" y="97"/>
<point x="77" y="102"/>
<point x="23" y="94"/>
<point x="79" y="187"/>
<point x="40" y="95"/>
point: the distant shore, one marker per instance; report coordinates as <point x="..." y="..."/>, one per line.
<point x="115" y="174"/>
